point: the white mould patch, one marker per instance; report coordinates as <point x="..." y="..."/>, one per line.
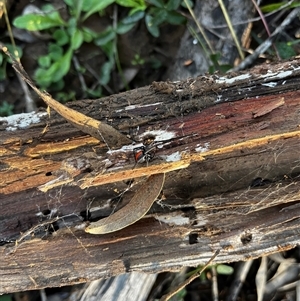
<point x="220" y="98"/>
<point x="270" y="84"/>
<point x="202" y="149"/>
<point x="173" y="220"/>
<point x="159" y="135"/>
<point x="224" y="80"/>
<point x="22" y="121"/>
<point x="278" y="75"/>
<point x="132" y="107"/>
<point x="173" y="157"/>
<point x="124" y="148"/>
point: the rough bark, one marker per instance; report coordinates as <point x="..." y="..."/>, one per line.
<point x="230" y="151"/>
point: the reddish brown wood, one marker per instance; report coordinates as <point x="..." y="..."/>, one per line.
<point x="209" y="203"/>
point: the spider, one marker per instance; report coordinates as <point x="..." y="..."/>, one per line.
<point x="143" y="154"/>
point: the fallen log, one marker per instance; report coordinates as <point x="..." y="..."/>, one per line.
<point x="229" y="148"/>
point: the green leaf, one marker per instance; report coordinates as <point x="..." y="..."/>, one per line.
<point x="159" y="16"/>
<point x="191" y="3"/>
<point x="61" y="37"/>
<point x="48" y="8"/>
<point x="106" y="36"/>
<point x="135" y="10"/>
<point x="105" y="73"/>
<point x="57" y="86"/>
<point x="140" y="4"/>
<point x="72" y="26"/>
<point x="157" y="3"/>
<point x="44" y="61"/>
<point x="276" y="6"/>
<point x="93" y="6"/>
<point x="173" y="4"/>
<point x="33" y="22"/>
<point x="3" y="72"/>
<point x="88" y="34"/>
<point x="65" y="97"/>
<point x="123" y="28"/>
<point x="285" y="50"/>
<point x="1" y="58"/>
<point x="76" y="39"/>
<point x="56" y="72"/>
<point x="153" y="29"/>
<point x="42" y="77"/>
<point x="55" y="52"/>
<point x="109" y="50"/>
<point x="134" y="17"/>
<point x="96" y="93"/>
<point x="71" y="3"/>
<point x="62" y="66"/>
<point x="6" y="109"/>
<point x="224" y="269"/>
<point x="175" y="18"/>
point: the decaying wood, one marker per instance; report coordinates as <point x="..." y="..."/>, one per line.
<point x="229" y="147"/>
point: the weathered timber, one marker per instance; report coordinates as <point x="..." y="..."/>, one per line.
<point x="229" y="147"/>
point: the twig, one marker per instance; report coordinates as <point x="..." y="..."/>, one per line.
<point x="84" y="123"/>
<point x="189" y="280"/>
<point x="228" y="21"/>
<point x="267" y="43"/>
<point x="199" y="26"/>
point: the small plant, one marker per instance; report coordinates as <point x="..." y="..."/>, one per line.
<point x="162" y="12"/>
<point x="6" y="109"/>
<point x="69" y="35"/>
<point x="137" y="60"/>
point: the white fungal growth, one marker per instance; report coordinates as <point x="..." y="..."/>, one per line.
<point x="133" y="107"/>
<point x="270" y="84"/>
<point x="160" y="135"/>
<point x="175" y="219"/>
<point x="22" y="121"/>
<point x="202" y="149"/>
<point x="224" y="80"/>
<point x="173" y="157"/>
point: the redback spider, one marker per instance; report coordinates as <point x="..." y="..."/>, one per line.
<point x="143" y="154"/>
